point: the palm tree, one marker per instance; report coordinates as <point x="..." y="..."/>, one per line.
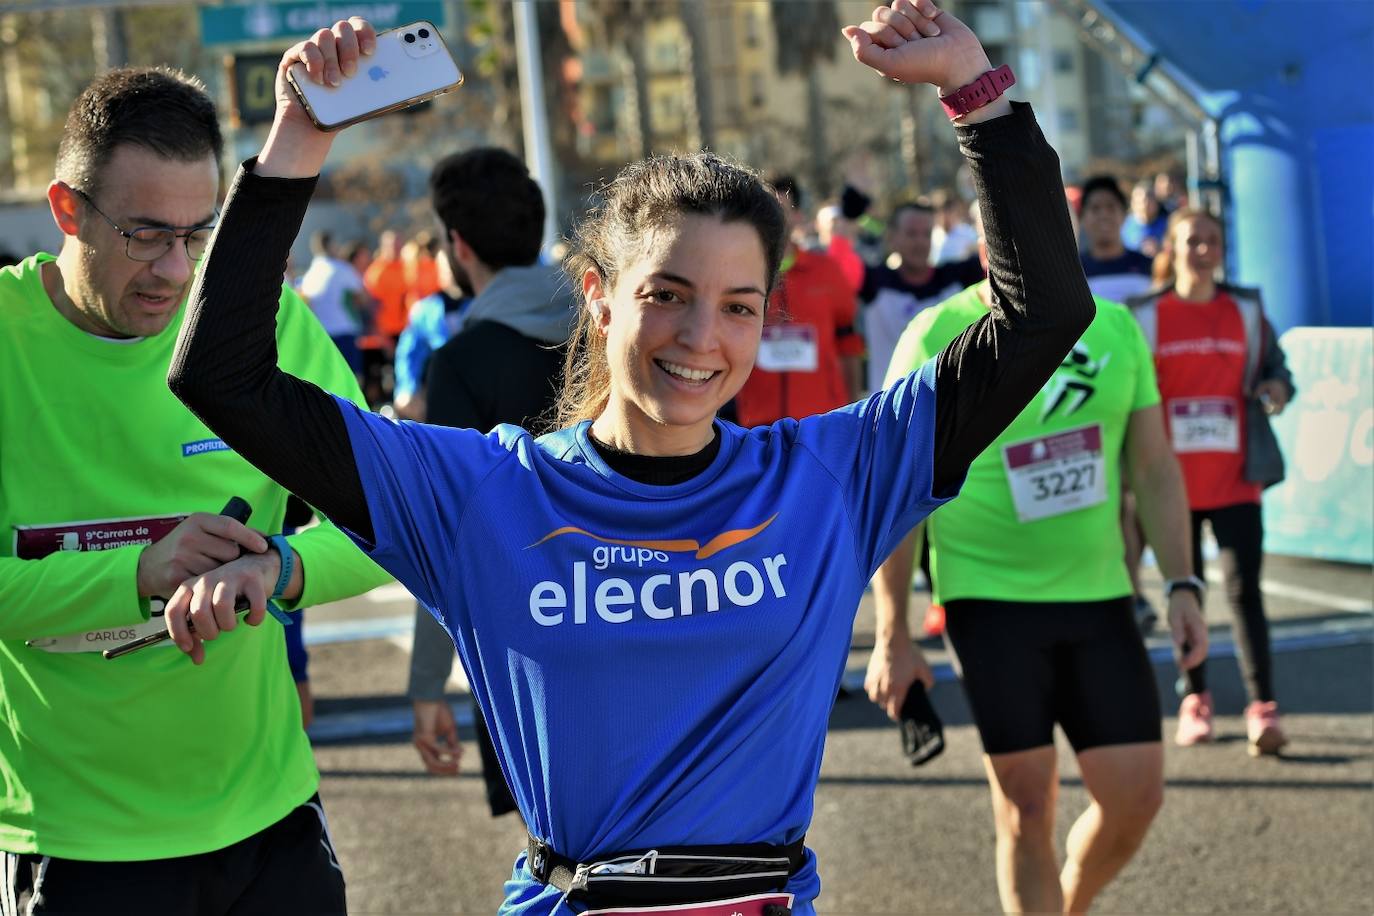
<point x="490" y="30"/>
<point x="701" y="108"/>
<point x="623" y="23"/>
<point x="806" y="33"/>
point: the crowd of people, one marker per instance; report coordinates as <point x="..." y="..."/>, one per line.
<point x="368" y="297"/>
<point x="727" y="412"/>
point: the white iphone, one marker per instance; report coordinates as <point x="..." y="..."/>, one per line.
<point x="410" y="64"/>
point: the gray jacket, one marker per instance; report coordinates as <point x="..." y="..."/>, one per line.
<point x="537" y="302"/>
<point x="1264" y="361"/>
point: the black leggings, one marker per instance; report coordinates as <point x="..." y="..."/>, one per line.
<point x="1239" y="531"/>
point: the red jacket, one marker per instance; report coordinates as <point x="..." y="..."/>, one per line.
<point x="810" y="326"/>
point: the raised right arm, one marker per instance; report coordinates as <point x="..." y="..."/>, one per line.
<point x="225" y="366"/>
<point x="398" y="488"/>
<point x="1040" y="301"/>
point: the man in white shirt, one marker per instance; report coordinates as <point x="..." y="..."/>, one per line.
<point x="953" y="239"/>
<point x="1114" y="271"/>
<point x="337" y="296"/>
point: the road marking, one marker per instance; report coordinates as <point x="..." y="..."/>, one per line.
<point x="398" y="720"/>
<point x="325" y="632"/>
<point x="385" y="594"/>
<point x="376" y="723"/>
<point x="1302" y="593"/>
<point x="1283" y="637"/>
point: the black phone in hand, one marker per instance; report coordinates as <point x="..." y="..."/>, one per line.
<point x="923" y="734"/>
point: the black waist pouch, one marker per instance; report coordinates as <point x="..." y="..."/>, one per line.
<point x="669" y="875"/>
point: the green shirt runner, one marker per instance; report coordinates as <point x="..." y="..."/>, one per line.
<point x="1038" y="518"/>
<point x="145" y="756"/>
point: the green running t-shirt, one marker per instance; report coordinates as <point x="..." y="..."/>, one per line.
<point x="1038" y="517"/>
<point x="145" y="756"/>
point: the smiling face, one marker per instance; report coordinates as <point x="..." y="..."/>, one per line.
<point x="103" y="291"/>
<point x="682" y="327"/>
<point x="1197" y="247"/>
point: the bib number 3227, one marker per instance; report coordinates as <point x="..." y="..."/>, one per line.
<point x="1055" y="474"/>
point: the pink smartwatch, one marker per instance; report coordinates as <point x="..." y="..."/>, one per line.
<point x="979" y="92"/>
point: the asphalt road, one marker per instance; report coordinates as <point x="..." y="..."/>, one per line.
<point x="1236" y="835"/>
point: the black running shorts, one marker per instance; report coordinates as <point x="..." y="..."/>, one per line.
<point x="290" y="867"/>
<point x="1027" y="665"/>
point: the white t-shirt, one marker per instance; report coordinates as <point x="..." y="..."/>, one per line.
<point x="958" y="244"/>
<point x="1118" y="278"/>
<point x="890" y="302"/>
<point x="333" y="288"/>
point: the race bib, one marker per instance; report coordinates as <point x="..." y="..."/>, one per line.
<point x="34" y="542"/>
<point x="1055" y="474"/>
<point x="1204" y="425"/>
<point x="737" y="906"/>
<point x="789" y="348"/>
<point x="100" y="640"/>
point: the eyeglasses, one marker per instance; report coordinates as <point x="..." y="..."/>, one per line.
<point x="148" y="243"/>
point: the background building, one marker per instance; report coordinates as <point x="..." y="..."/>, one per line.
<point x="768" y="82"/>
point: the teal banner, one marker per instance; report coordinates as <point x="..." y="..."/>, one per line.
<point x="1325" y="509"/>
<point x="247" y="23"/>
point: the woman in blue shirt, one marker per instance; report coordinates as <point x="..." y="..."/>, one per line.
<point x="653" y="607"/>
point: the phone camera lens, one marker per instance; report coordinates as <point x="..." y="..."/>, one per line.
<point x="424" y="33"/>
<point x="410" y="38"/>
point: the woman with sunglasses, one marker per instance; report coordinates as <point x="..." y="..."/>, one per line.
<point x="653" y="607"/>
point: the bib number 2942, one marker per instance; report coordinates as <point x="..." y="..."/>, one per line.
<point x="1204" y="425"/>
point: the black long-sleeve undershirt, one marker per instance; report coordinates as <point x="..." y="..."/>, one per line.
<point x="225" y="366"/>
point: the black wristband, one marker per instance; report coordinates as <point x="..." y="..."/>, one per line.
<point x="1191" y="584"/>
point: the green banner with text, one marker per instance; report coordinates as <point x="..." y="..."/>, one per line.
<point x="246" y="23"/>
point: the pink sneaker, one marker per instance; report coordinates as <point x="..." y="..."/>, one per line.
<point x="1194" y="719"/>
<point x="1262" y="726"/>
<point x="934" y="624"/>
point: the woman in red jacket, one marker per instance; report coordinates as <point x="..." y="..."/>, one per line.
<point x="1221" y="376"/>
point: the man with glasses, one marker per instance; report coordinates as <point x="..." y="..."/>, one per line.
<point x="150" y="243"/>
<point x="109" y="490"/>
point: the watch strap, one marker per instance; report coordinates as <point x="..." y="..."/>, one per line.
<point x="279" y="543"/>
<point x="1191" y="583"/>
<point x="978" y="93"/>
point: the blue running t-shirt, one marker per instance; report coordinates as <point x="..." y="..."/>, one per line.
<point x="657" y="664"/>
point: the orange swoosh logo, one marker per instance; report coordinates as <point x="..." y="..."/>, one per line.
<point x="730" y="538"/>
<point x="722" y="541"/>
